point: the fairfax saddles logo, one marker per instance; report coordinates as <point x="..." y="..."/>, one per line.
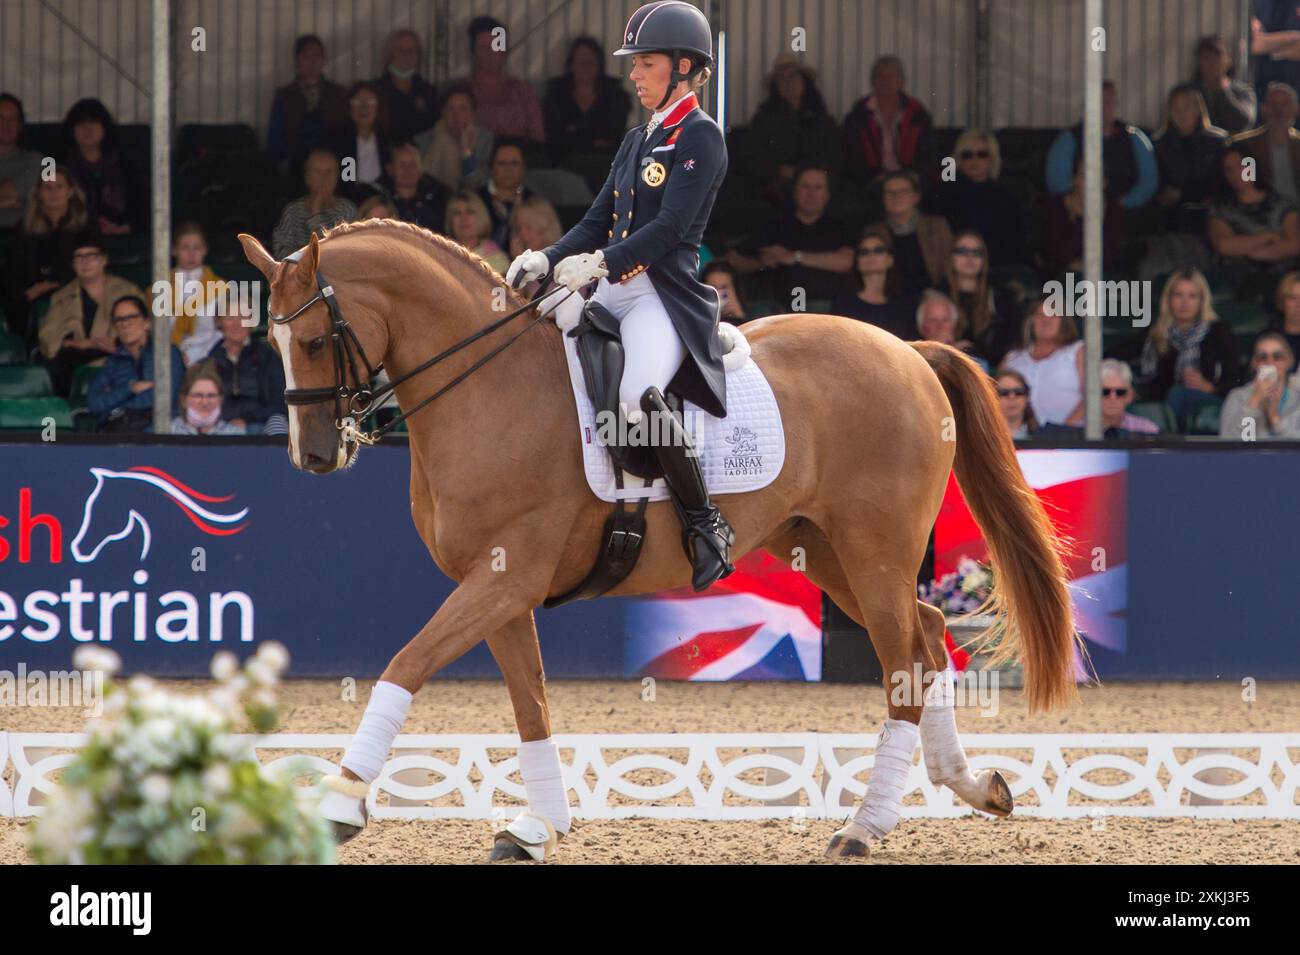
<point x="742" y="457"/>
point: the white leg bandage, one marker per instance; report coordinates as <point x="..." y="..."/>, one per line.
<point x="539" y="765"/>
<point x="945" y="760"/>
<point x="383" y="719"/>
<point x="883" y="802"/>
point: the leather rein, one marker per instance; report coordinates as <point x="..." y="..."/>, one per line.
<point x="352" y="406"/>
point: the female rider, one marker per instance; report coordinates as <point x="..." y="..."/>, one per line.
<point x="641" y="241"/>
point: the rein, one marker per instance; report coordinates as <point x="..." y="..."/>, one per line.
<point x="354" y="405"/>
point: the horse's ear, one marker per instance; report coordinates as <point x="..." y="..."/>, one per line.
<point x="257" y="256"/>
<point x="305" y="270"/>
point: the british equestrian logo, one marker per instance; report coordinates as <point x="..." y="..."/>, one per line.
<point x="742" y="457"/>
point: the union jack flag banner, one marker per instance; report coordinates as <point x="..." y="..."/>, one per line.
<point x="764" y="621"/>
<point x="1086" y="496"/>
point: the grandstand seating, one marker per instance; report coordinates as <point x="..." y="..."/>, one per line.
<point x="29" y="414"/>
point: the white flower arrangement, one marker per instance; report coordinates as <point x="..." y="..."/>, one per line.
<point x="164" y="778"/>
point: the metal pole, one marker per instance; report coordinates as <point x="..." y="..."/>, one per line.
<point x="983" y="65"/>
<point x="162" y="213"/>
<point x="1093" y="210"/>
<point x="1242" y="59"/>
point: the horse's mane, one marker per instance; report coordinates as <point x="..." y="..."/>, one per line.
<point x="437" y="244"/>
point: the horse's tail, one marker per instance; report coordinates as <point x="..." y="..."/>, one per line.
<point x="1030" y="598"/>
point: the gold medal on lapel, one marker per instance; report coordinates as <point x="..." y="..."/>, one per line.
<point x="654" y="174"/>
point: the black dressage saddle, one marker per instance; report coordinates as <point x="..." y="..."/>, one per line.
<point x="601" y="355"/>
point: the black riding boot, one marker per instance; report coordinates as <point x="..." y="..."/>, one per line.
<point x="706" y="535"/>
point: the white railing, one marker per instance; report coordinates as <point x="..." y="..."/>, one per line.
<point x="769" y="775"/>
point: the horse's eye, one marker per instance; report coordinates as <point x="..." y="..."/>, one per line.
<point x="315" y="345"/>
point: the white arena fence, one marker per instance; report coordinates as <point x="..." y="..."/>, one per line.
<point x="718" y="776"/>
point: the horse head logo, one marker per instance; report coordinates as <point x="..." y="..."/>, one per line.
<point x="107" y="517"/>
<point x="742" y="441"/>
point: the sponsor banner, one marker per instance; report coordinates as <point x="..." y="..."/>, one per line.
<point x="167" y="553"/>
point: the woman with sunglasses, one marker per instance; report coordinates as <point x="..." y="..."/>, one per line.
<point x="878" y="300"/>
<point x="1269" y="405"/>
<point x="991" y="317"/>
<point x="978" y="200"/>
<point x="1013" y="399"/>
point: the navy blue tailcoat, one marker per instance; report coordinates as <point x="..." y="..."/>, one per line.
<point x="650" y="217"/>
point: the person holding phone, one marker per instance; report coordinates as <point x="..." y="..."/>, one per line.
<point x="1269" y="405"/>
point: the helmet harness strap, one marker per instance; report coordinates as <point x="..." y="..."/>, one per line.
<point x="677" y="77"/>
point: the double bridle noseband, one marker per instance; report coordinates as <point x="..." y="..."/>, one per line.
<point x="354" y="405"/>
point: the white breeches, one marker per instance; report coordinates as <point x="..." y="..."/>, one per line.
<point x="651" y="345"/>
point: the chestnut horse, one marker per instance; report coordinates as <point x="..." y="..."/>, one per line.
<point x="873" y="427"/>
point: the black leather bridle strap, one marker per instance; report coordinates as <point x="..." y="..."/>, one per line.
<point x="390" y="425"/>
<point x="363" y="402"/>
<point x="385" y="391"/>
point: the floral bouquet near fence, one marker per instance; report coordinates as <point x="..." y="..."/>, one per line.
<point x="962" y="591"/>
<point x="164" y="777"/>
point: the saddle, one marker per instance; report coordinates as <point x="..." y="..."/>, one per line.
<point x="601" y="354"/>
<point x="748" y="449"/>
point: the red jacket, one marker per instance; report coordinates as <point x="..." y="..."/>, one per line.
<point x="914" y="146"/>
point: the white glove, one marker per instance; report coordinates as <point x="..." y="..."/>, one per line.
<point x="579" y="270"/>
<point x="532" y="264"/>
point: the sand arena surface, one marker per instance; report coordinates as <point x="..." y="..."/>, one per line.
<point x="316" y="706"/>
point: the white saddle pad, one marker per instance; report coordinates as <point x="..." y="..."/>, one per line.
<point x="741" y="452"/>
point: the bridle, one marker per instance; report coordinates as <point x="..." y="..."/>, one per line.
<point x="352" y="406"/>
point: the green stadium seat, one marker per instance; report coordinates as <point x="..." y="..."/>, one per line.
<point x="139" y="274"/>
<point x="1243" y="316"/>
<point x="24" y="381"/>
<point x="12" y="351"/>
<point x="131" y="248"/>
<point x="35" y="317"/>
<point x="1206" y="420"/>
<point x="29" y="414"/>
<point x="1156" y="412"/>
<point x="81" y="379"/>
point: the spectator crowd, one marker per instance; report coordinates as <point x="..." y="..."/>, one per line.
<point x="927" y="233"/>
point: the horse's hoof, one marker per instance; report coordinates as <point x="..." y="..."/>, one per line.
<point x="345" y="833"/>
<point x="998" y="801"/>
<point x="505" y="849"/>
<point x="530" y="837"/>
<point x="846" y="847"/>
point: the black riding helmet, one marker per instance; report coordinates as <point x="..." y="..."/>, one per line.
<point x="673" y="27"/>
